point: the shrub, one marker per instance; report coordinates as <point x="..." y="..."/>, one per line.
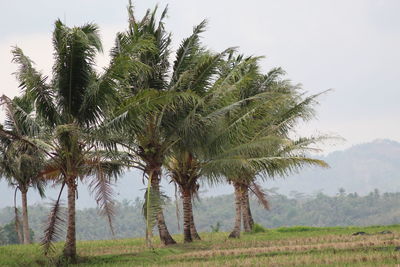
<point x="215" y="229"/>
<point x="257" y="228"/>
<point x="297" y="229"/>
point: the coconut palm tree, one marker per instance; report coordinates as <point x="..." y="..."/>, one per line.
<point x="71" y="109"/>
<point x="288" y="156"/>
<point x="219" y="90"/>
<point x="150" y="138"/>
<point x="20" y="163"/>
<point x="267" y="137"/>
<point x="184" y="171"/>
<point x="147" y="139"/>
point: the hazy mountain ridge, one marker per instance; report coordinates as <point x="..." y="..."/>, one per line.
<point x="361" y="169"/>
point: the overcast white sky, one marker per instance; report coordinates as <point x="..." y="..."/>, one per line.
<point x="350" y="46"/>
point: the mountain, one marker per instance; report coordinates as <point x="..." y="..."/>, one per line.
<point x="361" y="168"/>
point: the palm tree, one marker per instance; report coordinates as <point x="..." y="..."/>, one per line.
<point x="20" y="163"/>
<point x="153" y="135"/>
<point x="288" y="157"/>
<point x="147" y="140"/>
<point x="184" y="171"/>
<point x="71" y="109"/>
<point x="266" y="139"/>
<point x="219" y="90"/>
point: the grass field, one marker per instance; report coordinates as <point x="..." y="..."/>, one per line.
<point x="293" y="246"/>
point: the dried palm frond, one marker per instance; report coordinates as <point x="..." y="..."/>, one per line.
<point x="261" y="195"/>
<point x="55" y="224"/>
<point x="101" y="187"/>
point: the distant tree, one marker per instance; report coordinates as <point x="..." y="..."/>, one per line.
<point x="342" y="191"/>
<point x="9" y="235"/>
<point x="3" y="237"/>
<point x="20" y="162"/>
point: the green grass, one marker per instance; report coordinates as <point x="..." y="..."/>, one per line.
<point x="285" y="246"/>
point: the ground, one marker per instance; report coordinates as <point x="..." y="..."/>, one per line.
<point x="292" y="246"/>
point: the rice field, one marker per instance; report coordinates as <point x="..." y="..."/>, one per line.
<point x="292" y="246"/>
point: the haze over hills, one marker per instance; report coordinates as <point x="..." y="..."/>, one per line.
<point x="361" y="168"/>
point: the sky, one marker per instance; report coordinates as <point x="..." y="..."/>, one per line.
<point x="351" y="47"/>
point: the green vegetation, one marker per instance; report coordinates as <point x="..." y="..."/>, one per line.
<point x="257" y="228"/>
<point x="305" y="212"/>
<point x="294" y="246"/>
<point x="9" y="235"/>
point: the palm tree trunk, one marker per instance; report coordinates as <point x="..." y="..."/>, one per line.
<point x="17" y="221"/>
<point x="70" y="243"/>
<point x="165" y="236"/>
<point x="248" y="221"/>
<point x="25" y="222"/>
<point x="19" y="232"/>
<point x="250" y="216"/>
<point x="238" y="199"/>
<point x="193" y="230"/>
<point x="187" y="214"/>
<point x="245" y="208"/>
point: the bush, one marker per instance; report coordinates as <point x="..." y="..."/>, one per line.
<point x="9" y="235"/>
<point x="216" y="228"/>
<point x="297" y="229"/>
<point x="257" y="228"/>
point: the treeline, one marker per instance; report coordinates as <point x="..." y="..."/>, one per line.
<point x="318" y="210"/>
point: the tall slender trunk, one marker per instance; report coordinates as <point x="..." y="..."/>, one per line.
<point x="70" y="243"/>
<point x="248" y="221"/>
<point x="18" y="230"/>
<point x="245" y="208"/>
<point x="17" y="221"/>
<point x="25" y="222"/>
<point x="187" y="214"/>
<point x="238" y="199"/>
<point x="193" y="230"/>
<point x="250" y="216"/>
<point x="165" y="236"/>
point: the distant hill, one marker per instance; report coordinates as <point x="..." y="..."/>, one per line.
<point x="361" y="168"/>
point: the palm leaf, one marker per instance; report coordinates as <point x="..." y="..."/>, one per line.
<point x="34" y="84"/>
<point x="55" y="224"/>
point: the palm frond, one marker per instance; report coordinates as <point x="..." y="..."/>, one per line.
<point x="34" y="84"/>
<point x="54" y="227"/>
<point x="75" y="51"/>
<point x="260" y="194"/>
<point x="19" y="117"/>
<point x="187" y="51"/>
<point x="101" y="187"/>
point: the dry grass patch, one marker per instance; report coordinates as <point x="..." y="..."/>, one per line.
<point x="308" y="244"/>
<point x="230" y="244"/>
<point x="327" y="258"/>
